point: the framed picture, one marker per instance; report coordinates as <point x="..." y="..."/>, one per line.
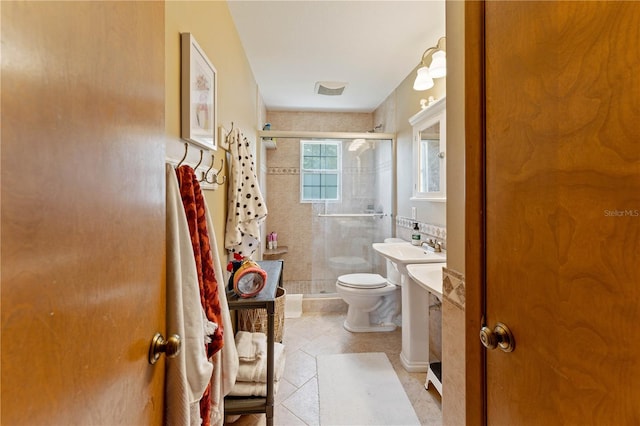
<point x="199" y="88"/>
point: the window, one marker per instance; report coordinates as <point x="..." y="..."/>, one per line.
<point x="320" y="169"/>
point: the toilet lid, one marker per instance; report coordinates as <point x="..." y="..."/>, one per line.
<point x="362" y="280"/>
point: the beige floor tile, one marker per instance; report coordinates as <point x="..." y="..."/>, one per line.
<point x="283" y="417"/>
<point x="304" y="403"/>
<point x="299" y="368"/>
<point x="316" y="333"/>
<point x="285" y="389"/>
<point x="326" y="344"/>
<point x="295" y="339"/>
<point x="427" y="407"/>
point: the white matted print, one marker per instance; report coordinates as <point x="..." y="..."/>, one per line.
<point x="199" y="92"/>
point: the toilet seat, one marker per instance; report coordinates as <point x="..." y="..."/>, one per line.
<point x="362" y="281"/>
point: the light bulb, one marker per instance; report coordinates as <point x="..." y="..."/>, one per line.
<point x="438" y="67"/>
<point x="423" y="79"/>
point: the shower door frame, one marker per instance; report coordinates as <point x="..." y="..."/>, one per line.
<point x="293" y="134"/>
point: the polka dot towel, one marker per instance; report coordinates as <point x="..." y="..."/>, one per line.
<point x="247" y="209"/>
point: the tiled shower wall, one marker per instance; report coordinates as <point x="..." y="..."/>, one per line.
<point x="288" y="217"/>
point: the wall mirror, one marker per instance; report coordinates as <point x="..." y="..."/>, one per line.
<point x="429" y="150"/>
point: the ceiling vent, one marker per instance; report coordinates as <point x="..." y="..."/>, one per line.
<point x="330" y="88"/>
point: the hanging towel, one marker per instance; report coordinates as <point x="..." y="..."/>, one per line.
<point x="247" y="208"/>
<point x="187" y="374"/>
<point x="194" y="207"/>
<point x="225" y="361"/>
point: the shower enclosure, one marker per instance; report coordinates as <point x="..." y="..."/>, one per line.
<point x="344" y="230"/>
<point x="342" y="213"/>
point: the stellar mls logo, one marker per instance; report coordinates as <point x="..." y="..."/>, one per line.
<point x="622" y="213"/>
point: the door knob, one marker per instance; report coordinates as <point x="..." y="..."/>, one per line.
<point x="170" y="347"/>
<point x="500" y="336"/>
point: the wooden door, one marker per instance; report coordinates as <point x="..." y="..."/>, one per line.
<point x="562" y="241"/>
<point x="82" y="212"/>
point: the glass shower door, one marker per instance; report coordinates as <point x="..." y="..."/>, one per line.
<point x="343" y="231"/>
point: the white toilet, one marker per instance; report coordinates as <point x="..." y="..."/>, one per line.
<point x="374" y="301"/>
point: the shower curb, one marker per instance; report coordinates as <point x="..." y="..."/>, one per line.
<point x="323" y="304"/>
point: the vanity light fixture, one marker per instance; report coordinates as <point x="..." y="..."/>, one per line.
<point x="437" y="68"/>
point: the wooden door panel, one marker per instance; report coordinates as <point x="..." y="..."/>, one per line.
<point x="563" y="211"/>
<point x="82" y="212"/>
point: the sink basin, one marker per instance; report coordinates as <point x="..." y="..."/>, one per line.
<point x="428" y="276"/>
<point x="402" y="254"/>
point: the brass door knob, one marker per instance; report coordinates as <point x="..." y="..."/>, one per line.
<point x="170" y="347"/>
<point x="500" y="336"/>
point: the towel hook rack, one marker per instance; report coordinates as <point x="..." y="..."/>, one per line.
<point x="215" y="181"/>
<point x="198" y="165"/>
<point x="215" y="175"/>
<point x="205" y="174"/>
<point x="229" y="132"/>
<point x="184" y="157"/>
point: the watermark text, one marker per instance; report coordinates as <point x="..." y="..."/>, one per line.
<point x="622" y="213"/>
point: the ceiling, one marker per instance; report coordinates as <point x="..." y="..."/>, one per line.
<point x="370" y="45"/>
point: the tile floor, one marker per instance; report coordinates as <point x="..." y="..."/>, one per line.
<point x="318" y="333"/>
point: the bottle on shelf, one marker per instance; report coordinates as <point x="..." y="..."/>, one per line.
<point x="415" y="236"/>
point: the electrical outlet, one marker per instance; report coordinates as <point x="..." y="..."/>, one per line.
<point x="414" y="212"/>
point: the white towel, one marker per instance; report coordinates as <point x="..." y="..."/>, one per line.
<point x="251" y="346"/>
<point x="253" y="389"/>
<point x="256" y="371"/>
<point x="247" y="209"/>
<point x="188" y="374"/>
<point x="225" y="360"/>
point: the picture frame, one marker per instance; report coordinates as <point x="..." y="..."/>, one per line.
<point x="199" y="89"/>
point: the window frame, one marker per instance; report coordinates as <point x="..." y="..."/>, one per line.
<point x="320" y="171"/>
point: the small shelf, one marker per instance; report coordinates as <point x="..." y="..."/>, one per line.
<point x="269" y="143"/>
<point x="263" y="300"/>
<point x="244" y="405"/>
<point x="434" y="375"/>
<point x="276" y="251"/>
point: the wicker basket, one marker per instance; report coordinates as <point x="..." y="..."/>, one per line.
<point x="255" y="320"/>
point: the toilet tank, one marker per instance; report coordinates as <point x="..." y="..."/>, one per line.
<point x="393" y="275"/>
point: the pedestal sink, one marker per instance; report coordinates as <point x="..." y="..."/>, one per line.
<point x="429" y="277"/>
<point x="415" y="302"/>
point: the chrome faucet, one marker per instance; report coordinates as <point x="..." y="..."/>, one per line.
<point x="432" y="245"/>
